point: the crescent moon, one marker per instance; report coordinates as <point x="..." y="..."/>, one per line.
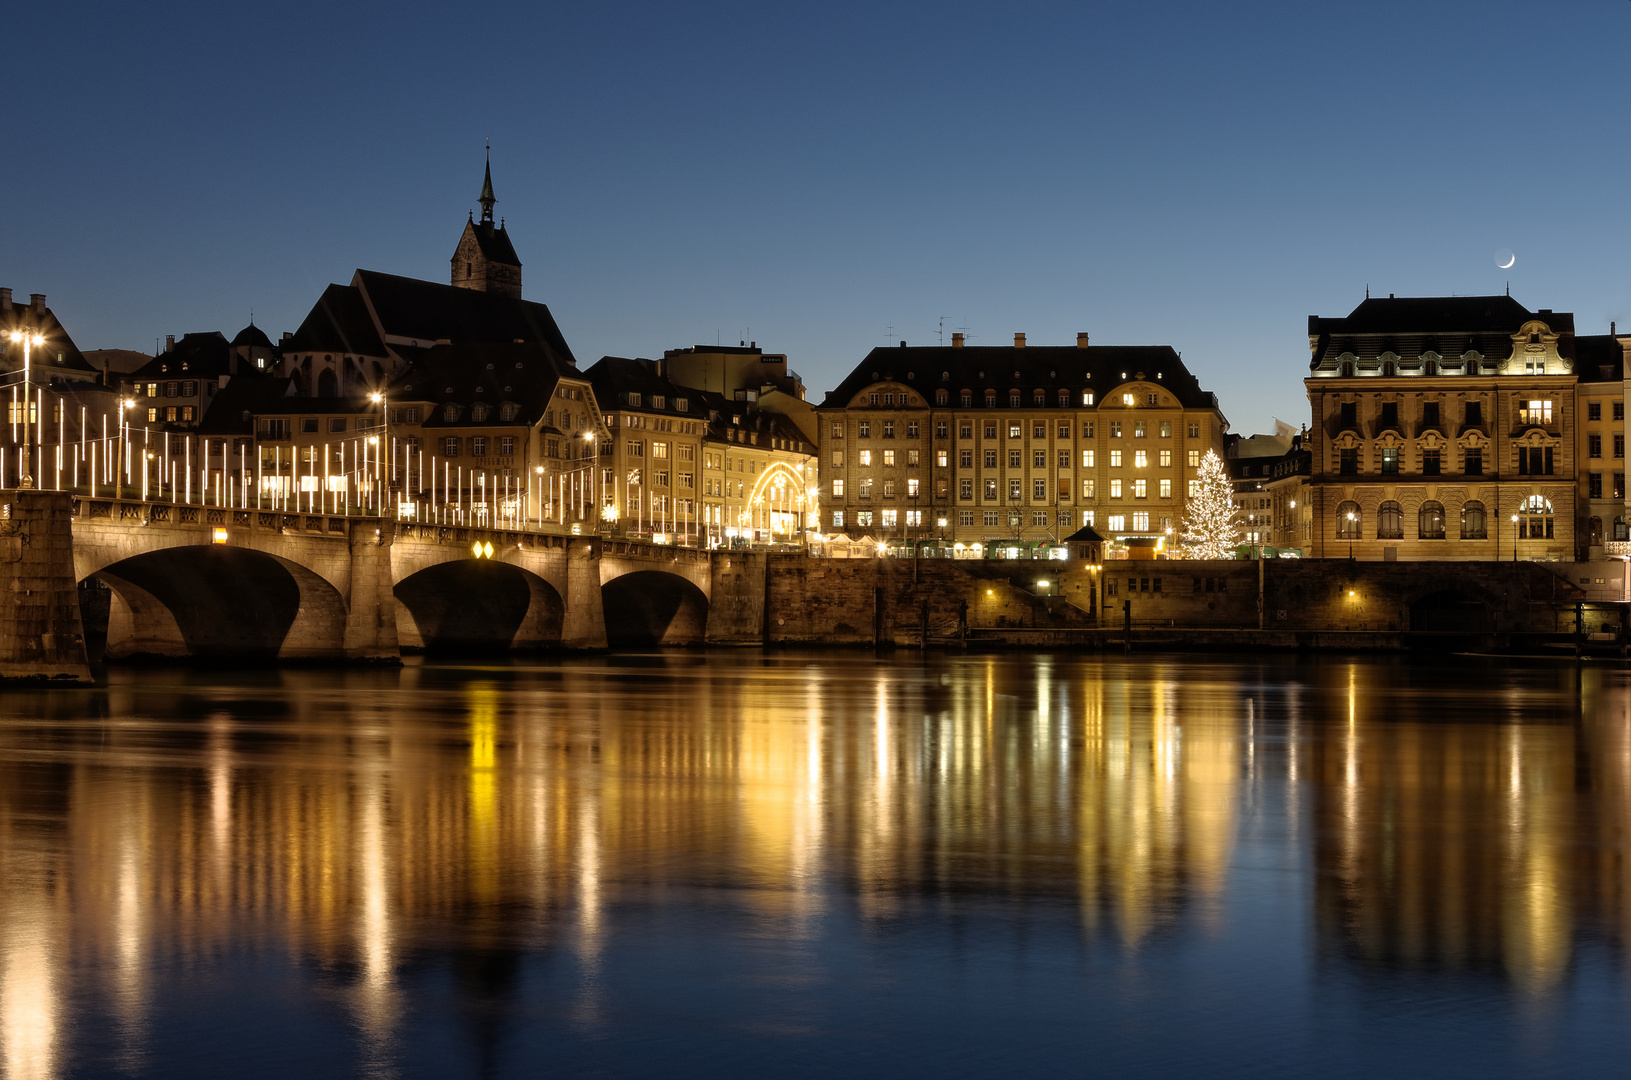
<point x="1508" y="264"/>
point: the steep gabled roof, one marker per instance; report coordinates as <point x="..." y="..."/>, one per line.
<point x="59" y="351"/>
<point x="427" y="312"/>
<point x="525" y="374"/>
<point x="338" y="323"/>
<point x="1003" y="368"/>
<point x="233" y="409"/>
<point x="1598" y="358"/>
<point x="494" y="242"/>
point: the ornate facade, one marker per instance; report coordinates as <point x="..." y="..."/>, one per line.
<point x="1443" y="428"/>
<point x="984" y="445"/>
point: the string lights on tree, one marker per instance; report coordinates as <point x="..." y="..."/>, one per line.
<point x="1211" y="530"/>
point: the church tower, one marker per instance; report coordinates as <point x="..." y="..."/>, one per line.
<point x="485" y="259"/>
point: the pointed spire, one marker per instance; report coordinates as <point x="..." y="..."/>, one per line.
<point x="487" y="199"/>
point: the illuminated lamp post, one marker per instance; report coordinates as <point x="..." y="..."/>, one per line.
<point x="1350" y="536"/>
<point x="119" y="448"/>
<point x="25" y="478"/>
<point x="1515" y="536"/>
<point x="378" y="398"/>
<point x="538" y="499"/>
<point x="589" y="484"/>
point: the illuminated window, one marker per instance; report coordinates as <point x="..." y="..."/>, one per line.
<point x="1140" y="489"/>
<point x="888" y="458"/>
<point x="1194" y="458"/>
<point x="1166" y="489"/>
<point x="1087" y="397"/>
<point x="1087" y="459"/>
<point x="1166" y="458"/>
<point x="1087" y="489"/>
<point x="1115" y="459"/>
<point x="1115" y="489"/>
<point x="838" y="489"/>
<point x="1140" y="459"/>
<point x="1127" y="399"/>
<point x="866" y="457"/>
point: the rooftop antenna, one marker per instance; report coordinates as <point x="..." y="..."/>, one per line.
<point x="940" y="334"/>
<point x="1509" y="290"/>
<point x="1367" y="290"/>
<point x="891" y="333"/>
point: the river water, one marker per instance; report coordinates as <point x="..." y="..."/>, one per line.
<point x="688" y="864"/>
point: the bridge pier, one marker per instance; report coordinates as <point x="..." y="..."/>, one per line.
<point x="40" y="632"/>
<point x="583" y="624"/>
<point x="370" y="624"/>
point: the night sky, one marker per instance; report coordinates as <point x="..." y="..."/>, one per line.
<point x="1203" y="175"/>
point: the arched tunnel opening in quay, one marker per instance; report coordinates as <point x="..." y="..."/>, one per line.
<point x="653" y="607"/>
<point x="476" y="606"/>
<point x="210" y="602"/>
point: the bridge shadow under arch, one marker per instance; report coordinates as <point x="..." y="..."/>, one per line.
<point x="211" y="601"/>
<point x="653" y="607"/>
<point x="480" y="606"/>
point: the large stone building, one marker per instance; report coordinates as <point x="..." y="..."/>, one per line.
<point x="1014" y="445"/>
<point x="1443" y="428"/>
<point x="1601" y="395"/>
<point x="700" y="467"/>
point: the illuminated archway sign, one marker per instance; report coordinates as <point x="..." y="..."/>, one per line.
<point x="779" y="499"/>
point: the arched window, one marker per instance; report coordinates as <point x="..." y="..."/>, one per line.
<point x="1039" y="398"/>
<point x="966" y="399"/>
<point x="1594" y="532"/>
<point x="1064" y="399"/>
<point x="1430" y="520"/>
<point x="1013" y="399"/>
<point x="939" y="397"/>
<point x="328" y="384"/>
<point x="450" y="412"/>
<point x="478" y="412"/>
<point x="1474" y="522"/>
<point x="990" y="399"/>
<point x="1535" y="518"/>
<point x="1390" y="521"/>
<point x="1619" y="528"/>
<point x="509" y="411"/>
<point x="1349" y="520"/>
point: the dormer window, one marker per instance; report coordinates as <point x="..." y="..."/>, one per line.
<point x="659" y="401"/>
<point x="682" y="404"/>
<point x="634" y="400"/>
<point x="450" y="412"/>
<point x="508" y="411"/>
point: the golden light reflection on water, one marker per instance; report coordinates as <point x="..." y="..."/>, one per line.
<point x="1465" y="828"/>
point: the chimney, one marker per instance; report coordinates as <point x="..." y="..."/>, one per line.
<point x="1019" y="341"/>
<point x="169" y="342"/>
<point x="753" y="344"/>
<point x="957" y="341"/>
<point x="37" y="302"/>
<point x="1081" y="341"/>
<point x="5" y="301"/>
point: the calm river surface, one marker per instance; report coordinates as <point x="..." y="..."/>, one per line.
<point x="820" y="863"/>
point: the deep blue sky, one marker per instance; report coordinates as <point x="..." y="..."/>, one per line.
<point x="1204" y="175"/>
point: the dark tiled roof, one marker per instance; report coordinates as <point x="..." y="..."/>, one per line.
<point x="466" y="375"/>
<point x="57" y="341"/>
<point x="338" y="323"/>
<point x="494" y="242"/>
<point x="614" y="377"/>
<point x="233" y="409"/>
<point x="252" y="336"/>
<point x="1087" y="534"/>
<point x="1598" y="358"/>
<point x="1100" y="368"/>
<point x="195" y="356"/>
<point x="429" y="312"/>
<point x="1447" y="325"/>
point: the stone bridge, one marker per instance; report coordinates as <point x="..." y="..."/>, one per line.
<point x="145" y="578"/>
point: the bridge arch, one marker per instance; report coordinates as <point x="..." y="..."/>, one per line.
<point x="215" y="600"/>
<point x="654" y="607"/>
<point x="477" y="605"/>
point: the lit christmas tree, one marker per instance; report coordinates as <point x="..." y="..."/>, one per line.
<point x="1210" y="529"/>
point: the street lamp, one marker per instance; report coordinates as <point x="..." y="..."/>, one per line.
<point x="1514" y="537"/>
<point x="1350" y="536"/>
<point x="378" y="398"/>
<point x="589" y="484"/>
<point x="26" y="477"/>
<point x="119" y="447"/>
